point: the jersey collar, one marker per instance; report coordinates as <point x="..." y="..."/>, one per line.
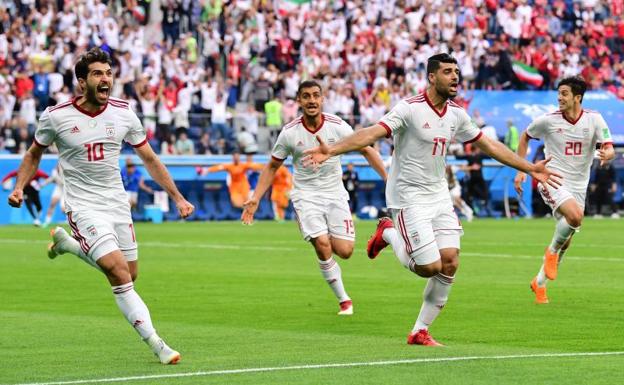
<point x="91" y="114"/>
<point x="440" y="114"/>
<point x="572" y="122"/>
<point x="311" y="129"/>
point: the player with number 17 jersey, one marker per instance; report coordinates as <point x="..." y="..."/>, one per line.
<point x="421" y="136"/>
<point x="89" y="146"/>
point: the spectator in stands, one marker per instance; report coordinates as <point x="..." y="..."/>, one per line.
<point x="273" y="113"/>
<point x="511" y="137"/>
<point x="167" y="147"/>
<point x="205" y="146"/>
<point x="219" y="127"/>
<point x="477" y="187"/>
<point x="183" y="145"/>
<point x="132" y="179"/>
<point x="247" y="142"/>
<point x="351" y="181"/>
<point x="602" y="188"/>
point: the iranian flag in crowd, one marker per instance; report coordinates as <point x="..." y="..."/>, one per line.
<point x="285" y="7"/>
<point x="527" y="74"/>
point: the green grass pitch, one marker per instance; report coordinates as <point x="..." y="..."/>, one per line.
<point x="230" y="297"/>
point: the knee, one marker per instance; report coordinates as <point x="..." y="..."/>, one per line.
<point x="427" y="271"/>
<point x="575" y="219"/>
<point x="344" y="252"/>
<point x="323" y="248"/>
<point x="450" y="268"/>
<point x="119" y="273"/>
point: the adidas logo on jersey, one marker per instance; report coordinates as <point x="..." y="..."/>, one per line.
<point x="426" y="126"/>
<point x="299" y="143"/>
<point x="74" y="130"/>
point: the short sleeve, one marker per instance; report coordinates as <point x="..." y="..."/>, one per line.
<point x="395" y="120"/>
<point x="344" y="130"/>
<point x="281" y="150"/>
<point x="467" y="130"/>
<point x="603" y="134"/>
<point x="136" y="136"/>
<point x="537" y="128"/>
<point x="45" y="133"/>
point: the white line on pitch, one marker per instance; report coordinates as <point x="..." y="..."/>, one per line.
<point x="326" y="366"/>
<point x="218" y="246"/>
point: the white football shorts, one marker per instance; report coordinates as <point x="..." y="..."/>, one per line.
<point x="318" y="216"/>
<point x="95" y="229"/>
<point x="425" y="227"/>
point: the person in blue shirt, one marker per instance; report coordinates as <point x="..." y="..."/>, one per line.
<point x="133" y="181"/>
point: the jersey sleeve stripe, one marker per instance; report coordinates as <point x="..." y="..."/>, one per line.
<point x="475" y="138"/>
<point x="40" y="144"/>
<point x="529" y="136"/>
<point x="277" y="159"/>
<point x="388" y="130"/>
<point x="140" y="144"/>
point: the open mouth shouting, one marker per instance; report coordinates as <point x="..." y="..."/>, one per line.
<point x="103" y="91"/>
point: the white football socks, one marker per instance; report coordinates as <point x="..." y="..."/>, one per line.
<point x="134" y="309"/>
<point x="563" y="231"/>
<point x="434" y="298"/>
<point x="330" y="270"/>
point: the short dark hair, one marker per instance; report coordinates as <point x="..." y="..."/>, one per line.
<point x="433" y="63"/>
<point x="576" y="83"/>
<point x="94" y="55"/>
<point x="308" y="84"/>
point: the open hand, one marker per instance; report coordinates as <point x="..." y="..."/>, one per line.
<point x="544" y="175"/>
<point x="316" y="155"/>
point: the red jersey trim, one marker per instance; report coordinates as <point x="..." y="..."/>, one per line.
<point x="609" y="143"/>
<point x="573" y="122"/>
<point x="388" y="130"/>
<point x="319" y="127"/>
<point x="119" y="105"/>
<point x="140" y="144"/>
<point x="293" y="123"/>
<point x="480" y="134"/>
<point x="35" y="141"/>
<point x="440" y="114"/>
<point x="91" y="114"/>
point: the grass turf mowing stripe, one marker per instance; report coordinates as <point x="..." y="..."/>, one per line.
<point x="303" y="246"/>
<point x="326" y="366"/>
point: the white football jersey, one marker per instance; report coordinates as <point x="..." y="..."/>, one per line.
<point x="421" y="138"/>
<point x="295" y="138"/>
<point x="89" y="146"/>
<point x="571" y="144"/>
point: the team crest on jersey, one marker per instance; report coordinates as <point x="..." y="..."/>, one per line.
<point x="416" y="237"/>
<point x="110" y="131"/>
<point x="92" y="231"/>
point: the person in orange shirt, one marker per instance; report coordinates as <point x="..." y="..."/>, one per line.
<point x="237" y="178"/>
<point x="280" y="192"/>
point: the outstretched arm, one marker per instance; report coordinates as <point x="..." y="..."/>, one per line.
<point x="375" y="161"/>
<point x="27" y="169"/>
<point x="501" y="153"/>
<point x="159" y="172"/>
<point x="264" y="181"/>
<point x="356" y="141"/>
<point x="523" y="146"/>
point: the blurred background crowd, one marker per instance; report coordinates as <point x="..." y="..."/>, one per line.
<point x="210" y="76"/>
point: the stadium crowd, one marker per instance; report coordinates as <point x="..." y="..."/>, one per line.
<point x="208" y="75"/>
